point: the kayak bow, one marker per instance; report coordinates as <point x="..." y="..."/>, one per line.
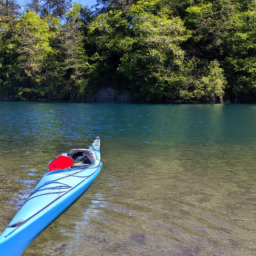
<point x="54" y="193"/>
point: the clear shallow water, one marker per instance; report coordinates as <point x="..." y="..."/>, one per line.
<point x="176" y="179"/>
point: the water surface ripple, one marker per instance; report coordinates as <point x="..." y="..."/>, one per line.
<point x="176" y="179"/>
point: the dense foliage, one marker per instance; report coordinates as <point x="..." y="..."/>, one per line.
<point x="157" y="50"/>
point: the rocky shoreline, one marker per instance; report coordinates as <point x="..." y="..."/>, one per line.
<point x="108" y="94"/>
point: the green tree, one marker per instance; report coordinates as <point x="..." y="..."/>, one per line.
<point x="124" y="5"/>
<point x="240" y="63"/>
<point x="33" y="48"/>
<point x="9" y="14"/>
<point x="142" y="46"/>
<point x="34" y="6"/>
<point x="56" y="7"/>
<point x="9" y="11"/>
<point x="75" y="62"/>
<point x="211" y="86"/>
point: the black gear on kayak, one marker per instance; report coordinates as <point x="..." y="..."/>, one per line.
<point x="82" y="155"/>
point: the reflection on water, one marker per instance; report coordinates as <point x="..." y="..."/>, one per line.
<point x="176" y="179"/>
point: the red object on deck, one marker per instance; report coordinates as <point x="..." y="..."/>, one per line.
<point x="60" y="162"/>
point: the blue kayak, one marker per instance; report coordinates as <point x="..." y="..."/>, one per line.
<point x="55" y="192"/>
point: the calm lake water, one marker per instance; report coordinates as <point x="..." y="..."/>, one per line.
<point x="176" y="180"/>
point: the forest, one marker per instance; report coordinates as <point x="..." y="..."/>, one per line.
<point x="159" y="51"/>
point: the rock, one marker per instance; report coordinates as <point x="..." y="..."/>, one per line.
<point x="105" y="94"/>
<point x="124" y="97"/>
<point x="108" y="94"/>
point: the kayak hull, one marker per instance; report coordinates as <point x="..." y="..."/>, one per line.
<point x="55" y="192"/>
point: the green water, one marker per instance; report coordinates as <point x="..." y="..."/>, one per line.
<point x="176" y="179"/>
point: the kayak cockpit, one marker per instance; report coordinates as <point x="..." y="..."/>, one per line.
<point x="77" y="158"/>
<point x="82" y="157"/>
